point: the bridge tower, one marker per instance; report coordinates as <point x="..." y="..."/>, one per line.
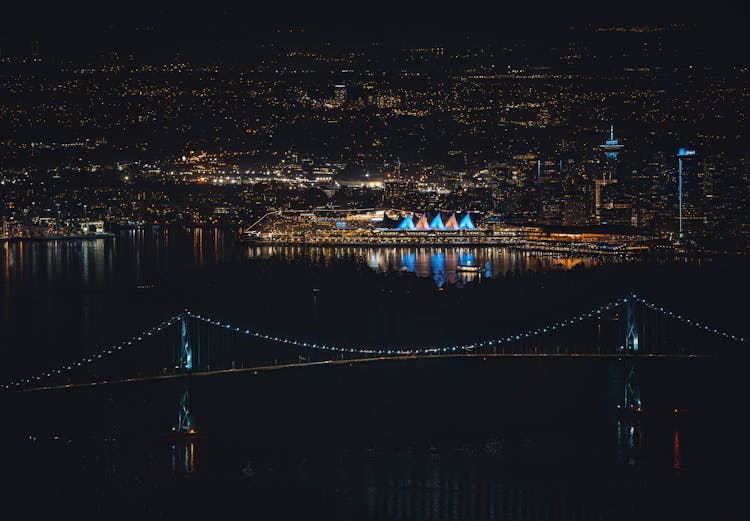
<point x="185" y="424"/>
<point x="186" y="348"/>
<point x="632" y="397"/>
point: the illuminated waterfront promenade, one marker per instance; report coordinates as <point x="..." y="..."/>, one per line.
<point x="365" y="229"/>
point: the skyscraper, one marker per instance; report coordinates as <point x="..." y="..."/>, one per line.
<point x="550" y="191"/>
<point x="689" y="192"/>
<point x="339" y="95"/>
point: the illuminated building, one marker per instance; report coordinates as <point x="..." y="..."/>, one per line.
<point x="339" y="95"/>
<point x="550" y="192"/>
<point x="612" y="145"/>
<point x="466" y="223"/>
<point x="365" y="227"/>
<point x="689" y="200"/>
<point x="451" y="223"/>
<point x="437" y="223"/>
<point x="406" y="224"/>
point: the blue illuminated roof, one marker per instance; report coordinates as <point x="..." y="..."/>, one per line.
<point x="683" y="152"/>
<point x="437" y="223"/>
<point x="406" y="224"/>
<point x="466" y="223"/>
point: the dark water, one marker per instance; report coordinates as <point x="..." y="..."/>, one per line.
<point x="441" y="439"/>
<point x="438" y="439"/>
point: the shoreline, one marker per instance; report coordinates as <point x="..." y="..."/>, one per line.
<point x="105" y="235"/>
<point x="446" y="244"/>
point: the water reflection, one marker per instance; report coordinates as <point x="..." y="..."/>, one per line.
<point x="676" y="465"/>
<point x="439" y="263"/>
<point x="183" y="456"/>
<point x="628" y="440"/>
<point x="139" y="254"/>
<point x="413" y="489"/>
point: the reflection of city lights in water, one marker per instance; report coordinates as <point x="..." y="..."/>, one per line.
<point x="191" y="464"/>
<point x="409" y="262"/>
<point x="676" y="453"/>
<point x="183" y="454"/>
<point x="439" y="263"/>
<point x="466" y="258"/>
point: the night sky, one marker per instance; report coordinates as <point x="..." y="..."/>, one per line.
<point x="80" y="29"/>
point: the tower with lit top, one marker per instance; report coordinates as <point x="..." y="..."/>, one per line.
<point x="611" y="146"/>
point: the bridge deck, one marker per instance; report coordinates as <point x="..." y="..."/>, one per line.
<point x="266" y="368"/>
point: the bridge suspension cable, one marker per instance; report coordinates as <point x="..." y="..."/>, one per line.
<point x="67" y="368"/>
<point x="685" y="320"/>
<point x="125" y="345"/>
<point x="530" y="333"/>
<point x="400" y="351"/>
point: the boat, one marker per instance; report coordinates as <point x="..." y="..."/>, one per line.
<point x="468" y="268"/>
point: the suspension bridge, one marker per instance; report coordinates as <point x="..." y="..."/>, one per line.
<point x="189" y="344"/>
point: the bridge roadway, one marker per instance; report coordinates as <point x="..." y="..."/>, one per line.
<point x="267" y="368"/>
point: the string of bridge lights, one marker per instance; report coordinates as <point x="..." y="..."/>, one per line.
<point x="394" y="351"/>
<point x="438" y="350"/>
<point x="472" y="346"/>
<point x="688" y="321"/>
<point x="111" y="350"/>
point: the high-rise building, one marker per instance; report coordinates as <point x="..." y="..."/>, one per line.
<point x="550" y="191"/>
<point x="339" y="95"/>
<point x="578" y="208"/>
<point x="690" y="207"/>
